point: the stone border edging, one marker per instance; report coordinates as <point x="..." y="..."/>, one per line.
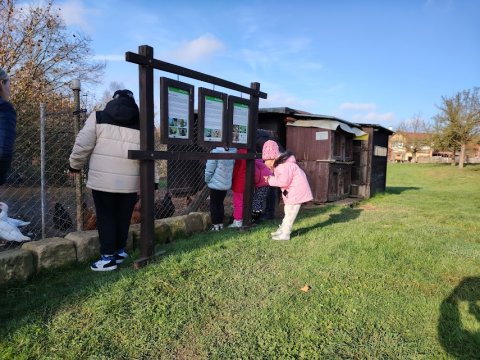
<point x="21" y="263"/>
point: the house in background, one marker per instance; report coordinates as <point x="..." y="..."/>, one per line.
<point x="418" y="147"/>
<point x="411" y="147"/>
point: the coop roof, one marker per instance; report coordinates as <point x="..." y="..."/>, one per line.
<point x="378" y="127"/>
<point x="328" y="122"/>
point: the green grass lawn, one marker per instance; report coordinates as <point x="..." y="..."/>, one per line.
<point x="397" y="277"/>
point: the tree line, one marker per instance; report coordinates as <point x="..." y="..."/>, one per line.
<point x="456" y="125"/>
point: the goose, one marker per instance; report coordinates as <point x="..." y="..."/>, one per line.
<point x="11" y="221"/>
<point x="8" y="230"/>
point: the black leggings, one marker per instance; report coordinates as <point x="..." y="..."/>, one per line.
<point x="5" y="164"/>
<point x="114" y="211"/>
<point x="217" y="211"/>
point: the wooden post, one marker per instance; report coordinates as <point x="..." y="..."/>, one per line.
<point x="147" y="166"/>
<point x="250" y="170"/>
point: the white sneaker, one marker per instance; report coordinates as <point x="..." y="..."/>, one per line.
<point x="236" y="224"/>
<point x="216" y="227"/>
<point x="120" y="256"/>
<point x="282" y="236"/>
<point x="106" y="263"/>
<point x="276" y="232"/>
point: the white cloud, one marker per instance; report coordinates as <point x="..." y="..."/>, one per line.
<point x="255" y="58"/>
<point x="373" y="117"/>
<point x="197" y="49"/>
<point x="283" y="99"/>
<point x="358" y="106"/>
<point x="76" y="14"/>
<point x="364" y="113"/>
<point x="110" y="57"/>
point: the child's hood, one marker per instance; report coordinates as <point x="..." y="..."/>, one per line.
<point x="291" y="159"/>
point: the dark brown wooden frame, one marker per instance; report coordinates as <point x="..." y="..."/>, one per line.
<point x="147" y="154"/>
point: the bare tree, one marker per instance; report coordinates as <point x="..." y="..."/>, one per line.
<point x="458" y="122"/>
<point x="108" y="93"/>
<point x="41" y="54"/>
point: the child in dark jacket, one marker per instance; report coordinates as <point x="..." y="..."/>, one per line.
<point x="261" y="189"/>
<point x="292" y="181"/>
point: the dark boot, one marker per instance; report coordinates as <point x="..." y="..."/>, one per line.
<point x="256" y="216"/>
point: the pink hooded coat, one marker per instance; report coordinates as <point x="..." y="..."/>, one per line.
<point x="288" y="176"/>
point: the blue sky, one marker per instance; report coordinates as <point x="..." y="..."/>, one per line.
<point x="379" y="62"/>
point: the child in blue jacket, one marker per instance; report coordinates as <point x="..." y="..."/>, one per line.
<point x="218" y="177"/>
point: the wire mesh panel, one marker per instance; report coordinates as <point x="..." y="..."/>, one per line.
<point x="183" y="180"/>
<point x="38" y="190"/>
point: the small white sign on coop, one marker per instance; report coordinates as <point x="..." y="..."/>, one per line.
<point x="321" y="135"/>
<point x="380" y="151"/>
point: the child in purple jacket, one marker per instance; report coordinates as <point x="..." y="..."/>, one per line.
<point x="262" y="172"/>
<point x="292" y="181"/>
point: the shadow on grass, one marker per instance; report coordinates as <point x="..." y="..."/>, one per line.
<point x="399" y="189"/>
<point x="39" y="298"/>
<point x="461" y="342"/>
<point x="346" y="214"/>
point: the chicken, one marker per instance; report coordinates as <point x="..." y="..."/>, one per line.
<point x="136" y="215"/>
<point x="9" y="231"/>
<point x="61" y="218"/>
<point x="164" y="208"/>
<point x="89" y="218"/>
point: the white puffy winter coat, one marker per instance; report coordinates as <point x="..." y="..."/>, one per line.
<point x="107" y="145"/>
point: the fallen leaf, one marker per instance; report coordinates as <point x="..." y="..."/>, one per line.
<point x="306" y="288"/>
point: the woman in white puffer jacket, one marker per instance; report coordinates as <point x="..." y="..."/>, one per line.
<point x="113" y="177"/>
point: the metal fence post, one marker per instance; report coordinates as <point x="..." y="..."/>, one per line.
<point x="76" y="87"/>
<point x="42" y="166"/>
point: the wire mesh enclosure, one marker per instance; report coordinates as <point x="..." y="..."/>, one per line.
<point x="39" y="191"/>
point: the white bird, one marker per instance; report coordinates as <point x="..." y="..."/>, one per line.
<point x="14" y="222"/>
<point x="8" y="226"/>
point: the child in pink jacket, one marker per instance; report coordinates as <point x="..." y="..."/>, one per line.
<point x="238" y="187"/>
<point x="292" y="181"/>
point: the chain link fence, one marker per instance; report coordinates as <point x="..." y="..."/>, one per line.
<point x="38" y="180"/>
<point x="39" y="191"/>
